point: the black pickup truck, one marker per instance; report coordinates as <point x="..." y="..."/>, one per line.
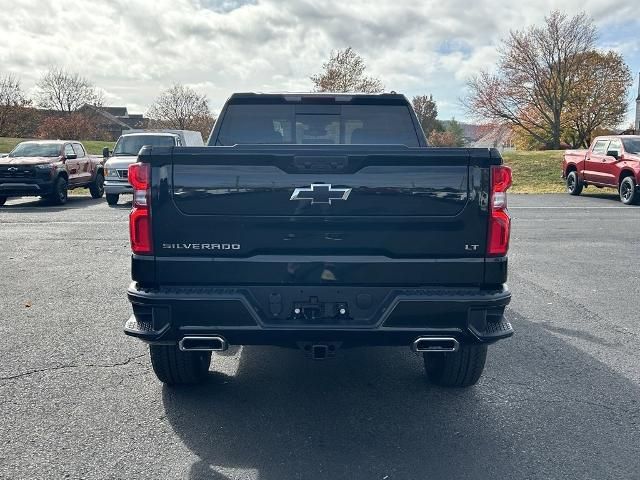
<point x="319" y="222"/>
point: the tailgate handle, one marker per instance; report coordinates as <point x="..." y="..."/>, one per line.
<point x="322" y="164"/>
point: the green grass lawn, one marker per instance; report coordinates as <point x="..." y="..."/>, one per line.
<point x="94" y="147"/>
<point x="536" y="172"/>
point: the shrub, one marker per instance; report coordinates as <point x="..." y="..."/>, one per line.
<point x="72" y="126"/>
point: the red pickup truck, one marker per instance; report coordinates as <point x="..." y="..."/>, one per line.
<point x="612" y="161"/>
<point x="49" y="169"/>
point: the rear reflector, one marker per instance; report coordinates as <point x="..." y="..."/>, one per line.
<point x="139" y="175"/>
<point x="499" y="219"/>
<point x="140" y="231"/>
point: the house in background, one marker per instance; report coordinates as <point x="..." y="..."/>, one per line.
<point x="496" y="136"/>
<point x="471" y="133"/>
<point x="115" y="120"/>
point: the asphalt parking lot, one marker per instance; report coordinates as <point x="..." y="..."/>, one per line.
<point x="558" y="400"/>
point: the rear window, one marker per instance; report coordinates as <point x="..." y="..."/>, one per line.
<point x="631" y="145"/>
<point x="347" y="124"/>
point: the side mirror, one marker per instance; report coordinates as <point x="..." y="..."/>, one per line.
<point x="613" y="153"/>
<point x="71" y="156"/>
<point x="105" y="152"/>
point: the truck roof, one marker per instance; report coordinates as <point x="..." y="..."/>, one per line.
<point x="146" y="134"/>
<point x="329" y="97"/>
<point x="605" y="137"/>
<point x="51" y="141"/>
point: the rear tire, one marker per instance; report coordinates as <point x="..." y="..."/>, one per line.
<point x="112" y="198"/>
<point x="175" y="367"/>
<point x="574" y="185"/>
<point x="628" y="191"/>
<point x="60" y="192"/>
<point x="457" y="369"/>
<point x="97" y="187"/>
<point x="2" y="200"/>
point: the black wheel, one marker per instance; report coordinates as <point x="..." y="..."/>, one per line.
<point x="2" y="200"/>
<point x="457" y="369"/>
<point x="112" y="198"/>
<point x="60" y="192"/>
<point x="97" y="187"/>
<point x="574" y="185"/>
<point x="628" y="191"/>
<point x="175" y="367"/>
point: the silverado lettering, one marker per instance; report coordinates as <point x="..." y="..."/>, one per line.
<point x="201" y="246"/>
<point x="354" y="232"/>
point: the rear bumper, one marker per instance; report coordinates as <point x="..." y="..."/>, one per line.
<point x="267" y="315"/>
<point x="116" y="187"/>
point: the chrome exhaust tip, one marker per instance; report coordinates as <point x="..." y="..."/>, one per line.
<point x="435" y="344"/>
<point x="203" y="344"/>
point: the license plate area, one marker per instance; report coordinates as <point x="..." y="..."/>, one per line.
<point x="316" y="311"/>
<point x="319" y="306"/>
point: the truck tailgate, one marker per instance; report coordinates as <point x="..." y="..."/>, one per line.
<point x="322" y="215"/>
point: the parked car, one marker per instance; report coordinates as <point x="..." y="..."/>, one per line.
<point x="126" y="151"/>
<point x="319" y="221"/>
<point x="611" y="161"/>
<point x="49" y="168"/>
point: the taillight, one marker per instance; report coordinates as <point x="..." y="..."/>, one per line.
<point x="499" y="219"/>
<point x="139" y="177"/>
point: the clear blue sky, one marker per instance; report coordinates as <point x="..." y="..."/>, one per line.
<point x="135" y="49"/>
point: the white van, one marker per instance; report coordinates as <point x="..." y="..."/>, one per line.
<point x="126" y="152"/>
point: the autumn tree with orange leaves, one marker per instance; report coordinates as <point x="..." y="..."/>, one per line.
<point x="599" y="98"/>
<point x="345" y="72"/>
<point x="541" y="76"/>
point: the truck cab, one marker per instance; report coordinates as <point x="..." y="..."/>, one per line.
<point x="126" y="151"/>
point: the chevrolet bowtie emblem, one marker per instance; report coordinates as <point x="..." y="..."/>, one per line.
<point x="320" y="193"/>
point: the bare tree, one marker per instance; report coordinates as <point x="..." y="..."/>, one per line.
<point x="182" y="108"/>
<point x="345" y="72"/>
<point x="599" y="97"/>
<point x="427" y="113"/>
<point x="537" y="73"/>
<point x="66" y="91"/>
<point x="12" y="100"/>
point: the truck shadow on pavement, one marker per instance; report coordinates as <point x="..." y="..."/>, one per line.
<point x="544" y="409"/>
<point x="604" y="195"/>
<point x="42" y="205"/>
<point x="122" y="205"/>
